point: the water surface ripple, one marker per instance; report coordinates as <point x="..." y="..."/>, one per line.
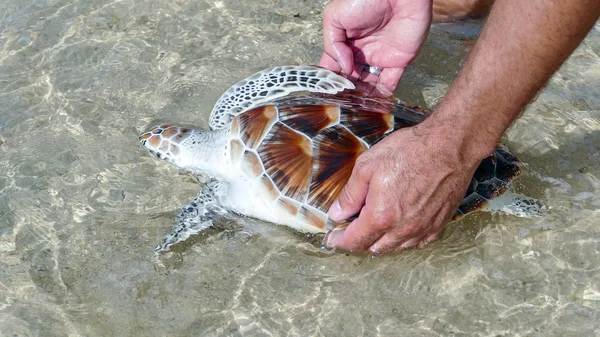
<point x="82" y="205"/>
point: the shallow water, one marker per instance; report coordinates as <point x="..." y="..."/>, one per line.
<point x="82" y="204"/>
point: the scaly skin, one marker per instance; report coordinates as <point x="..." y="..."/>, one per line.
<point x="162" y="141"/>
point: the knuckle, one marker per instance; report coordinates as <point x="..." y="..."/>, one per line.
<point x="362" y="162"/>
<point x="409" y="230"/>
<point x="382" y="220"/>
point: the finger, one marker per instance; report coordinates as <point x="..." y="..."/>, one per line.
<point x="366" y="81"/>
<point x="396" y="241"/>
<point x="352" y="198"/>
<point x="428" y="240"/>
<point x="382" y="85"/>
<point x="357" y="237"/>
<point x="335" y="44"/>
<point x="367" y="88"/>
<point x="329" y="63"/>
<point x="374" y="220"/>
<point x="388" y="80"/>
<point x="385" y="244"/>
<point x="410" y="244"/>
<point x="366" y="76"/>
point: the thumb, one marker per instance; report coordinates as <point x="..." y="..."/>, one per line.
<point x="328" y="63"/>
<point x="336" y="46"/>
<point x="353" y="196"/>
<point x="342" y="53"/>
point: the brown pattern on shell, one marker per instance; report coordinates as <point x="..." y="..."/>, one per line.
<point x="255" y="123"/>
<point x="269" y="187"/>
<point x="370" y="126"/>
<point x="154" y="141"/>
<point x="405" y="116"/>
<point x="357" y="100"/>
<point x="287" y="156"/>
<point x="309" y="119"/>
<point x="251" y="164"/>
<point x="331" y="225"/>
<point x="235" y="128"/>
<point x="237" y="150"/>
<point x="335" y="152"/>
<point x="314" y="217"/>
<point x="170" y="132"/>
<point x="291" y="205"/>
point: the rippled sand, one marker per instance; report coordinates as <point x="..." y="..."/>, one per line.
<point x="82" y="204"/>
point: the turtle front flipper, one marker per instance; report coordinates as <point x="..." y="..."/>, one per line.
<point x="270" y="84"/>
<point x="195" y="216"/>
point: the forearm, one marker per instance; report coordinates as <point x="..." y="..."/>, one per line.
<point x="522" y="44"/>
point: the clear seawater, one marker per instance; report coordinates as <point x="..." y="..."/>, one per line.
<point x="82" y="204"/>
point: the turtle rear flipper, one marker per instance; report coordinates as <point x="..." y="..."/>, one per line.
<point x="515" y="204"/>
<point x="195" y="216"/>
<point x="490" y="188"/>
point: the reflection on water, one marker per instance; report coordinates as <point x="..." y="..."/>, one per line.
<point x="82" y="205"/>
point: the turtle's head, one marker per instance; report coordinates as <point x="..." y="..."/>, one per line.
<point x="183" y="147"/>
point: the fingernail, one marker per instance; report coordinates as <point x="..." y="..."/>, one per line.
<point x="374" y="250"/>
<point x="335" y="211"/>
<point x="326" y="240"/>
<point x="330" y="240"/>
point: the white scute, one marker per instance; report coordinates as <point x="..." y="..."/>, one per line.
<point x="270" y="84"/>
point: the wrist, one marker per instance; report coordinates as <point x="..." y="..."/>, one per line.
<point x="472" y="138"/>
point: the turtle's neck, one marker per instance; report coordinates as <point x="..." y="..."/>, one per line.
<point x="202" y="152"/>
<point x="205" y="152"/>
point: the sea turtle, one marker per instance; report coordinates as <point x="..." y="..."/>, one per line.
<point x="284" y="158"/>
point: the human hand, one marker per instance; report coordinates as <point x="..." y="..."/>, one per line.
<point x="383" y="33"/>
<point x="406" y="188"/>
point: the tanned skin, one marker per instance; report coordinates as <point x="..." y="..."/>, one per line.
<point x="408" y="186"/>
